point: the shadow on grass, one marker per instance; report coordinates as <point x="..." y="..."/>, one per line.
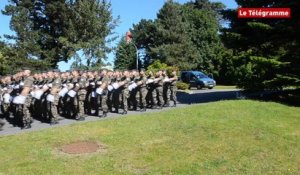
<point x="186" y="98"/>
<point x="287" y="97"/>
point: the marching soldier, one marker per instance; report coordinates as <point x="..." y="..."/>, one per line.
<point x="102" y="92"/>
<point x="173" y="87"/>
<point x="74" y="93"/>
<point x="124" y="91"/>
<point x="25" y="99"/>
<point x="142" y="90"/>
<point x="158" y="91"/>
<point x="53" y="98"/>
<point x="166" y="91"/>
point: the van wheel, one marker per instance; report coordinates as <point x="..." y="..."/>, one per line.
<point x="199" y="87"/>
<point x="210" y="87"/>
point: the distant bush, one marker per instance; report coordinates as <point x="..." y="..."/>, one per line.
<point x="182" y="85"/>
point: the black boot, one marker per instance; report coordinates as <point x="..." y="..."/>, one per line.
<point x="143" y="110"/>
<point x="166" y="105"/>
<point x="174" y="105"/>
<point x="79" y="118"/>
<point x="26" y="126"/>
<point x="124" y="112"/>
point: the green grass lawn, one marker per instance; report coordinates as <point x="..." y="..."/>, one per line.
<point x="225" y="87"/>
<point x="228" y="137"/>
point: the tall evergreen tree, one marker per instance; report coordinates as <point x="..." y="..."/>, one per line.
<point x="55" y="30"/>
<point x="265" y="51"/>
<point x="125" y="58"/>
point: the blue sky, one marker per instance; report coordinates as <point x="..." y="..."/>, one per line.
<point x="130" y="12"/>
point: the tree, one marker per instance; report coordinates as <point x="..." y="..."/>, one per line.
<point x="56" y="30"/>
<point x="265" y="52"/>
<point x="185" y="36"/>
<point x="203" y="19"/>
<point x="174" y="45"/>
<point x="125" y="56"/>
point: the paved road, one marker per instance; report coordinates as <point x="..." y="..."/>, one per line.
<point x="197" y="96"/>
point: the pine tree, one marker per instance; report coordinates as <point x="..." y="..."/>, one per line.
<point x="265" y="51"/>
<point x="56" y="30"/>
<point x="125" y="56"/>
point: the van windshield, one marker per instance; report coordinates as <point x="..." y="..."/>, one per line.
<point x="200" y="75"/>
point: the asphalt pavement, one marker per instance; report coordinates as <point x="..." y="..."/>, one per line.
<point x="184" y="99"/>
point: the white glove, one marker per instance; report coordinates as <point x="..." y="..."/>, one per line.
<point x="32" y="93"/>
<point x="20" y="99"/>
<point x="63" y="92"/>
<point x="166" y="79"/>
<point x="110" y="87"/>
<point x="45" y="87"/>
<point x="93" y="94"/>
<point x="22" y="83"/>
<point x="149" y="81"/>
<point x="134" y="85"/>
<point x="116" y="85"/>
<point x="99" y="91"/>
<point x="16" y="86"/>
<point x="38" y="94"/>
<point x="72" y="93"/>
<point x="99" y="82"/>
<point x="70" y="85"/>
<point x="50" y="98"/>
<point x="64" y="85"/>
<point x="6" y="98"/>
<point x="92" y="83"/>
<point x="130" y="87"/>
<point x="50" y="85"/>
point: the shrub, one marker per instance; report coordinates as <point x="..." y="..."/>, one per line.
<point x="182" y="85"/>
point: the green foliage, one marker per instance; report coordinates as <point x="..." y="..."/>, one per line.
<point x="12" y="59"/>
<point x="125" y="56"/>
<point x="182" y="86"/>
<point x="158" y="65"/>
<point x="56" y="30"/>
<point x="226" y="137"/>
<point x="264" y="53"/>
<point x="184" y="36"/>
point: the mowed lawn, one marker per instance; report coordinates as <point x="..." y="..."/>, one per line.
<point x="227" y="137"/>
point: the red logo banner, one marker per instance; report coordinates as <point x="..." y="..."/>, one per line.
<point x="264" y="12"/>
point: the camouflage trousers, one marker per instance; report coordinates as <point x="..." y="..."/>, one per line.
<point x="102" y="102"/>
<point x="124" y="95"/>
<point x="54" y="109"/>
<point x="26" y="111"/>
<point x="166" y="94"/>
<point x="6" y="109"/>
<point x="173" y="91"/>
<point x="142" y="97"/>
<point x="80" y="103"/>
<point x="157" y="96"/>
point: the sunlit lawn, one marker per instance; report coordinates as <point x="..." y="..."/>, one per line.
<point x="228" y="137"/>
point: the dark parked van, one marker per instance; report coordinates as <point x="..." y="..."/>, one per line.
<point x="197" y="79"/>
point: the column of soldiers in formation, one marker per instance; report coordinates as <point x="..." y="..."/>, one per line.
<point x="51" y="95"/>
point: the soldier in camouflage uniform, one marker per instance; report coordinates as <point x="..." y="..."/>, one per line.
<point x="142" y="90"/>
<point x="76" y="96"/>
<point x="173" y="87"/>
<point x="116" y="93"/>
<point x="25" y="99"/>
<point x="158" y="91"/>
<point x="134" y="95"/>
<point x="102" y="92"/>
<point x="53" y="98"/>
<point x="82" y="85"/>
<point x="166" y="89"/>
<point x="124" y="92"/>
